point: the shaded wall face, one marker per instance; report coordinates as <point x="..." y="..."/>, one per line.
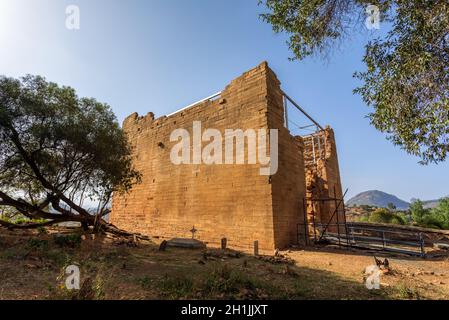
<point x="233" y="201"/>
<point x="288" y="184"/>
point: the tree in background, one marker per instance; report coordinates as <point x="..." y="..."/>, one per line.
<point x="441" y="213"/>
<point x="391" y="206"/>
<point x="437" y="217"/>
<point x="407" y="71"/>
<point x="57" y="150"/>
<point x="418" y="212"/>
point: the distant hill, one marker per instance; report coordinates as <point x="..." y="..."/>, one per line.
<point x="430" y="204"/>
<point x="378" y="199"/>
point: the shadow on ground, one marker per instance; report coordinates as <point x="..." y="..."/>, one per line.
<point x="32" y="266"/>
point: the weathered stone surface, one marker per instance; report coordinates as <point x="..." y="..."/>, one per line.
<point x="222" y="201"/>
<point x="323" y="178"/>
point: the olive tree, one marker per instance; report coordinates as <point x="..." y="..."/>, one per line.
<point x="406" y="80"/>
<point x="58" y="150"/>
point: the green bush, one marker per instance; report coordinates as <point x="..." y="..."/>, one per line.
<point x="441" y="213"/>
<point x="37" y="243"/>
<point x="25" y="220"/>
<point x="176" y="287"/>
<point x="69" y="240"/>
<point x="364" y="218"/>
<point x="418" y="212"/>
<point x="383" y="215"/>
<point x="437" y="218"/>
<point x="42" y="230"/>
<point x="432" y="221"/>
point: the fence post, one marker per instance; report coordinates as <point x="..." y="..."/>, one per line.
<point x="421" y="243"/>
<point x="338" y="222"/>
<point x="306" y="226"/>
<point x="352" y="234"/>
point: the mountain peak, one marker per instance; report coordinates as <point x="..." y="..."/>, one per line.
<point x="377" y="198"/>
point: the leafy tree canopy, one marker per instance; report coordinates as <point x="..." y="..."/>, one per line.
<point x="406" y="80"/>
<point x="437" y="217"/>
<point x="57" y="150"/>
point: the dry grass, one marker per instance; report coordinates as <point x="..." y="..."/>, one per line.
<point x="32" y="267"/>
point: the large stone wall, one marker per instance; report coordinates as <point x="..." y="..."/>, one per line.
<point x="225" y="200"/>
<point x="288" y="184"/>
<point x="232" y="201"/>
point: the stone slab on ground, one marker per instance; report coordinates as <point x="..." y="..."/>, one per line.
<point x="186" y="243"/>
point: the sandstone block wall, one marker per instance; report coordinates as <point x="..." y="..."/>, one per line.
<point x="232" y="201"/>
<point x="288" y="184"/>
<point x="228" y="200"/>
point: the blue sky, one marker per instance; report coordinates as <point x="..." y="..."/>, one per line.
<point x="162" y="55"/>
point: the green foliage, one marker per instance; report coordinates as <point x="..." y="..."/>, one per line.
<point x="406" y="292"/>
<point x="176" y="287"/>
<point x="441" y="213"/>
<point x="70" y="240"/>
<point x="418" y="212"/>
<point x="25" y="220"/>
<point x="57" y="147"/>
<point x="7" y="213"/>
<point x="363" y="218"/>
<point x="405" y="216"/>
<point x="314" y="25"/>
<point x="383" y="215"/>
<point x="145" y="282"/>
<point x="42" y="230"/>
<point x="37" y="243"/>
<point x="437" y="218"/>
<point x="229" y="281"/>
<point x="406" y="80"/>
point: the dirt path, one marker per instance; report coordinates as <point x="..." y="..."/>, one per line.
<point x="415" y="277"/>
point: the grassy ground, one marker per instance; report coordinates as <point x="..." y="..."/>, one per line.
<point x="32" y="266"/>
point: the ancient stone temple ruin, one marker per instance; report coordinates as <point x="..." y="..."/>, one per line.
<point x="233" y="201"/>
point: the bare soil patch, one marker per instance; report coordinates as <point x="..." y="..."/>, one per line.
<point x="32" y="266"/>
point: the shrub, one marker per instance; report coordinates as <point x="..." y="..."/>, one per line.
<point x="176" y="287"/>
<point x="37" y="243"/>
<point x="418" y="212"/>
<point x="42" y="230"/>
<point x="437" y="218"/>
<point x="70" y="240"/>
<point x="385" y="216"/>
<point x="441" y="213"/>
<point x="363" y="218"/>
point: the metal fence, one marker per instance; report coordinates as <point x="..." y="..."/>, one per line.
<point x="347" y="235"/>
